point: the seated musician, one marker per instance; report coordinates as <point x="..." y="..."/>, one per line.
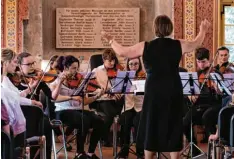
<point x="108" y="104"/>
<point x="131" y="113"/>
<point x="69" y="109"/>
<point x="27" y="66"/>
<point x="206" y="105"/>
<point x="12" y="98"/>
<point x="224" y="66"/>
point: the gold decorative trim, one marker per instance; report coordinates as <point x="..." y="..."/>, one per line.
<point x="189" y="14"/>
<point x="10" y="21"/>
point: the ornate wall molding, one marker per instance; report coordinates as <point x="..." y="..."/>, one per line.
<point x="189" y="31"/>
<point x="10" y="23"/>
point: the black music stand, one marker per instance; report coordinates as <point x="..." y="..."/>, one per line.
<point x="221" y="85"/>
<point x="123" y="86"/>
<point x="191" y="88"/>
<point x="80" y="92"/>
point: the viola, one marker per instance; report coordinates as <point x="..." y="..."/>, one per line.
<point x="92" y="85"/>
<point x="112" y="72"/>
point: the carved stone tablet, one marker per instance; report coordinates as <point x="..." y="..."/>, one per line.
<point x="81" y="27"/>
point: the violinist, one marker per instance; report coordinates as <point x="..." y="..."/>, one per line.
<point x="131" y="113"/>
<point x="206" y="107"/>
<point x="12" y="98"/>
<point x="69" y="109"/>
<point x="27" y="67"/>
<point x="224" y="66"/>
<point x="109" y="105"/>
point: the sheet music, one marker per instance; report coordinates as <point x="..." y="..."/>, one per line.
<point x="119" y="81"/>
<point x="185" y="76"/>
<point x="83" y="83"/>
<point x="139" y="86"/>
<point x="229" y="81"/>
<point x="219" y="82"/>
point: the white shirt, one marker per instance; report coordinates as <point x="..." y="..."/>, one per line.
<point x="7" y="84"/>
<point x="66" y="105"/>
<point x="12" y="100"/>
<point x="102" y="79"/>
<point x="133" y="101"/>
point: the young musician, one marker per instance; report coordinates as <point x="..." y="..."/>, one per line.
<point x="27" y="66"/>
<point x="224" y="66"/>
<point x="69" y="109"/>
<point x="206" y="105"/>
<point x="131" y="113"/>
<point x="108" y="104"/>
<point x="12" y="98"/>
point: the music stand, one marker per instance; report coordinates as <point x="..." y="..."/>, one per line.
<point x="123" y="85"/>
<point x="229" y="81"/>
<point x="190" y="88"/>
<point x="221" y="85"/>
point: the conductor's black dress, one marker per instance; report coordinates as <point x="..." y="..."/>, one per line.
<point x="161" y="121"/>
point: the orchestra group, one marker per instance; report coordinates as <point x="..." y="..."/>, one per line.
<point x="93" y="111"/>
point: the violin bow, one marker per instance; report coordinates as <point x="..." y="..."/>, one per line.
<point x="209" y="70"/>
<point x="43" y="74"/>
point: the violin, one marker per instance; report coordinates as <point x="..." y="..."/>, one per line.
<point x="141" y="75"/>
<point x="73" y="81"/>
<point x="203" y="78"/>
<point x="227" y="69"/>
<point x="15" y="78"/>
<point x="48" y="76"/>
<point x="112" y="72"/>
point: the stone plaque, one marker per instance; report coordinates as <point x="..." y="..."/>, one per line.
<point x="81" y="27"/>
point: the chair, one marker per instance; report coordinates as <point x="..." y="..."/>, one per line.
<point x="232" y="131"/>
<point x="50" y="111"/>
<point x="224" y="122"/>
<point x="6" y="146"/>
<point x="95" y="61"/>
<point x="34" y="128"/>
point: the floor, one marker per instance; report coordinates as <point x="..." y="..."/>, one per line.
<point x="108" y="152"/>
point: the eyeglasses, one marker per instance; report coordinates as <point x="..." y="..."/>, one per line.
<point x="133" y="64"/>
<point x="29" y="64"/>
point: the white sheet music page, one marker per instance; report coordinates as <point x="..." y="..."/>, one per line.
<point x="185" y="77"/>
<point x="119" y="81"/>
<point x="229" y="81"/>
<point x="219" y="82"/>
<point x="139" y="86"/>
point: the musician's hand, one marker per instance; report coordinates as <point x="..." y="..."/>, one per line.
<point x="100" y="92"/>
<point x="193" y="98"/>
<point x="77" y="98"/>
<point x="37" y="103"/>
<point x="213" y="137"/>
<point x="33" y="83"/>
<point x="62" y="76"/>
<point x="118" y="96"/>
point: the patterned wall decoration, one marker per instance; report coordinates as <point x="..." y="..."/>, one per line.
<point x="10" y="24"/>
<point x="189" y="13"/>
<point x="13" y="13"/>
<point x="187" y="20"/>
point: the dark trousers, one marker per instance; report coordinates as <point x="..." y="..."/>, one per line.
<point x="73" y="118"/>
<point x="206" y="115"/>
<point x="109" y="110"/>
<point x="129" y="119"/>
